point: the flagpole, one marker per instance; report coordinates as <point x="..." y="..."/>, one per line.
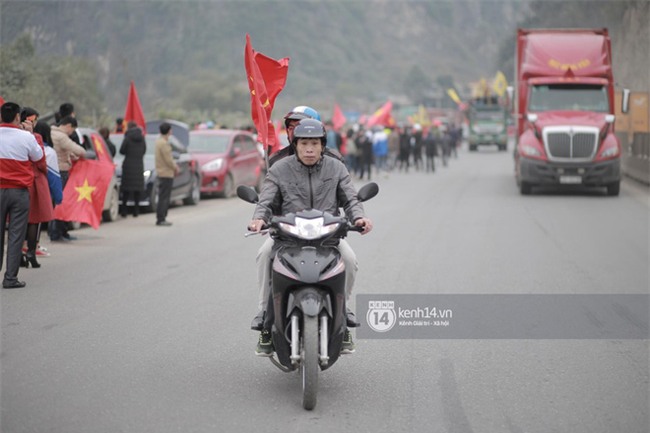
<point x="266" y="156"/>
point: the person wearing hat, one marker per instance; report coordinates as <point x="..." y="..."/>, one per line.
<point x="291" y="120"/>
<point x="289" y="187"/>
<point x="18" y="151"/>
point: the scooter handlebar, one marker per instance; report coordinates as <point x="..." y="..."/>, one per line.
<point x="353" y="228"/>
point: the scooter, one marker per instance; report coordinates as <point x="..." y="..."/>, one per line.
<point x="307" y="310"/>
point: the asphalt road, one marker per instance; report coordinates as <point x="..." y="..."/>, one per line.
<point x="138" y="328"/>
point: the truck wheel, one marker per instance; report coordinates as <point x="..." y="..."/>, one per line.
<point x="614" y="188"/>
<point x="525" y="188"/>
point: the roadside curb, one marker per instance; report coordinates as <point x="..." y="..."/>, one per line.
<point x="639" y="190"/>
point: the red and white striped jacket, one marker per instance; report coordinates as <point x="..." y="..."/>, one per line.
<point x="18" y="149"/>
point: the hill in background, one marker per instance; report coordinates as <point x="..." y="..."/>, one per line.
<point x="188" y="56"/>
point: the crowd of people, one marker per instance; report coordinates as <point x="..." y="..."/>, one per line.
<point x="35" y="161"/>
<point x="397" y="148"/>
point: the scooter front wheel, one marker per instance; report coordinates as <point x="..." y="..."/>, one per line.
<point x="309" y="365"/>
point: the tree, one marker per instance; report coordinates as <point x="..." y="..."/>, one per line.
<point x="416" y="84"/>
<point x="45" y="82"/>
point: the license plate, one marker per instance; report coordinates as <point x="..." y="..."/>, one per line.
<point x="572" y="180"/>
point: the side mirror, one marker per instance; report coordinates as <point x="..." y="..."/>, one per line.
<point x="625" y="101"/>
<point x="234" y="153"/>
<point x="247" y="193"/>
<point x="368" y="191"/>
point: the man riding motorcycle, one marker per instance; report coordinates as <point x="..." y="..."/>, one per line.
<point x="263" y="258"/>
<point x="308" y="180"/>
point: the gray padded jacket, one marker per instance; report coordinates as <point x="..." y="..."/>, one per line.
<point x="291" y="186"/>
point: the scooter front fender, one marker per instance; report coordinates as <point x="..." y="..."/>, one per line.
<point x="310" y="301"/>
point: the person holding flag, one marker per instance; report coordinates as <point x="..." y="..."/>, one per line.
<point x="266" y="79"/>
<point x="291" y="119"/>
<point x="288" y="188"/>
<point x="67" y="151"/>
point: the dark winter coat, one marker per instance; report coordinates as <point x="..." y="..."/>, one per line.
<point x="430" y="145"/>
<point x="133" y="148"/>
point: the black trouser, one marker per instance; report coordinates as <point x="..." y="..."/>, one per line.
<point x="58" y="228"/>
<point x="164" y="192"/>
<point x="14" y="203"/>
<point x="130" y="195"/>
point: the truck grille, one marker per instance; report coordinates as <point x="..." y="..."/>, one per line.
<point x="565" y="143"/>
<point x="488" y="129"/>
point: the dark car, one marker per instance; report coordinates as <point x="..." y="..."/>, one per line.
<point x="228" y="158"/>
<point x="91" y="141"/>
<point x="186" y="186"/>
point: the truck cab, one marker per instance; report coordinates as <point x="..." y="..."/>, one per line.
<point x="565" y="110"/>
<point x="487" y="118"/>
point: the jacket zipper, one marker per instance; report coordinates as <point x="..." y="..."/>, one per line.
<point x="311" y="191"/>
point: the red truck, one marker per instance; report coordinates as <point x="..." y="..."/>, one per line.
<point x="564" y="110"/>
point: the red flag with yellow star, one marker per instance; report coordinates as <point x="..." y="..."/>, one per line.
<point x="103" y="154"/>
<point x="266" y="79"/>
<point x="84" y="193"/>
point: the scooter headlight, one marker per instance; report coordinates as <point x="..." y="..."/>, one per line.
<point x="309" y="228"/>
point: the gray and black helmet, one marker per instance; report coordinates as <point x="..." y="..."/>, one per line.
<point x="310" y="128"/>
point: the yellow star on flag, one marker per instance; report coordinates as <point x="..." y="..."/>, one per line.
<point x="85" y="191"/>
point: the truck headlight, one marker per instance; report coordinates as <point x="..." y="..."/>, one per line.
<point x="609" y="153"/>
<point x="530" y="151"/>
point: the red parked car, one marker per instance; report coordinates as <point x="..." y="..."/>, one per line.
<point x="227" y="158"/>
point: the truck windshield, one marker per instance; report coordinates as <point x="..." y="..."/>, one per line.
<point x="489" y="116"/>
<point x="569" y="97"/>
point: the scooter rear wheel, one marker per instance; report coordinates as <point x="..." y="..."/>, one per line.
<point x="309" y="365"/>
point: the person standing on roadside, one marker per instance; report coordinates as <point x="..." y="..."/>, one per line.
<point x="133" y="148"/>
<point x="40" y="201"/>
<point x="67" y="151"/>
<point x="106" y="135"/>
<point x="18" y="150"/>
<point x="166" y="169"/>
<point x="119" y="126"/>
<point x="67" y="109"/>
